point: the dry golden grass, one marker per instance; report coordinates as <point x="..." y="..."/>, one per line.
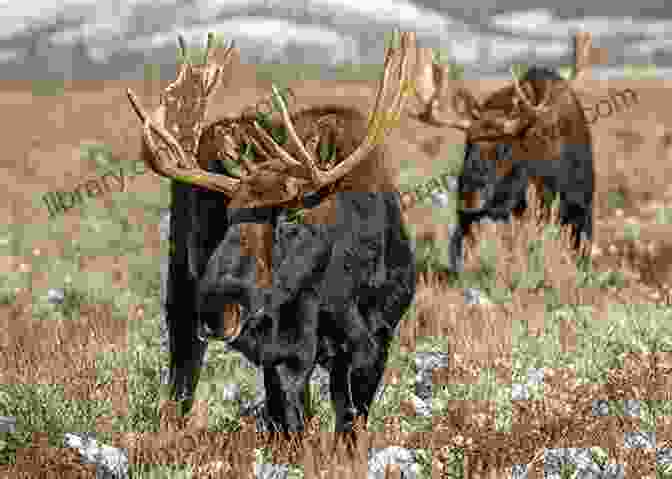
<point x="480" y="337"/>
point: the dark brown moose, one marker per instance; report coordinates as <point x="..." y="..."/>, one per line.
<point x="533" y="131"/>
<point x="330" y="291"/>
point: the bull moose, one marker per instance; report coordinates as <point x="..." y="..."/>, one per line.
<point x="533" y="131"/>
<point x="329" y="291"/>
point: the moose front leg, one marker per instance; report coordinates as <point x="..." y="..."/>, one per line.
<point x="340" y="385"/>
<point x="285" y="386"/>
<point x="354" y="354"/>
<point x="287" y="348"/>
<point x="509" y="194"/>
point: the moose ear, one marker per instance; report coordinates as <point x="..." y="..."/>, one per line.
<point x="465" y="105"/>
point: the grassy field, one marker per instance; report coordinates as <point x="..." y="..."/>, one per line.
<point x="48" y="406"/>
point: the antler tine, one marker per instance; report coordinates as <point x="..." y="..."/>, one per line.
<point x="216" y="81"/>
<point x="472" y="106"/>
<point x="405" y="87"/>
<point x="387" y="71"/>
<point x="545" y="100"/>
<point x="521" y="94"/>
<point x="432" y="95"/>
<point x="305" y="156"/>
<point x="208" y="45"/>
<point x="144" y="118"/>
<point x="462" y="124"/>
<point x="270" y="143"/>
<point x="476" y="107"/>
<point x="425" y="85"/>
<point x="378" y="124"/>
<point x="183" y="47"/>
<point x="172" y="158"/>
<point x="295" y="170"/>
<point x="229" y="50"/>
<point x="247" y="163"/>
<point x="176" y="156"/>
<point x="148" y="123"/>
<point x="384" y="82"/>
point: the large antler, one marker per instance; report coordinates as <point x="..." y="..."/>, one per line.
<point x="432" y="85"/>
<point x="380" y="119"/>
<point x="195" y="86"/>
<point x="181" y="112"/>
<point x="481" y="126"/>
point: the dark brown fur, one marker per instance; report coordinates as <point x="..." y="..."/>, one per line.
<point x="561" y="134"/>
<point x="338" y="291"/>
